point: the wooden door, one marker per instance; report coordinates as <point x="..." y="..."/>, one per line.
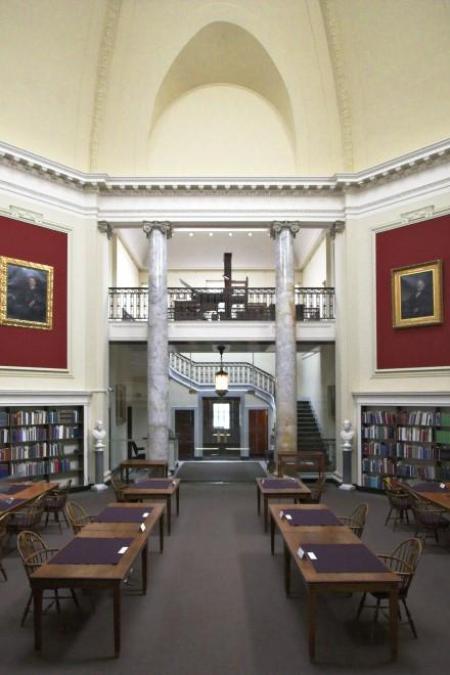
<point x="184" y="429"/>
<point x="258" y="432"/>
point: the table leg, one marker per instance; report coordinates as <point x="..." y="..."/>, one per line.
<point x="144" y="569"/>
<point x="393" y="622"/>
<point x="161" y="533"/>
<point x="177" y="496"/>
<point x="266" y="508"/>
<point x="116" y="619"/>
<point x="287" y="570"/>
<point x="312" y="597"/>
<point x="37" y="609"/>
<point x="258" y="499"/>
<point x="169" y="513"/>
<point x="272" y="534"/>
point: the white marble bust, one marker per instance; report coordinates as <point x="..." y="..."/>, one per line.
<point x="99" y="434"/>
<point x="347" y="433"/>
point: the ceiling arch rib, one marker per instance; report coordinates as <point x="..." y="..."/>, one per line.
<point x="225" y="53"/>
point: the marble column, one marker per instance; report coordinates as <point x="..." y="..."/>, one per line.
<point x="158" y="342"/>
<point x="286" y="351"/>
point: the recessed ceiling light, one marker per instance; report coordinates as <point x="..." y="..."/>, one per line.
<point x="211" y="234"/>
<point x="230" y="234"/>
<point x="191" y="234"/>
<point x="250" y="234"/>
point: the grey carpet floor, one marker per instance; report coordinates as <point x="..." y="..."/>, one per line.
<point x="216" y="605"/>
<point x="217" y="471"/>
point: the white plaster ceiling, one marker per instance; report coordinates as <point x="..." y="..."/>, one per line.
<point x="204" y="249"/>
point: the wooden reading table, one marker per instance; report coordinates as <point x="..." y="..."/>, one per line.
<point x="98" y="564"/>
<point x="432" y="492"/>
<point x="14" y="496"/>
<point x="156" y="488"/>
<point x="278" y="488"/>
<point x="138" y="464"/>
<point x="343" y="564"/>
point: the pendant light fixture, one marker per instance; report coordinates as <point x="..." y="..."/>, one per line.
<point x="221" y="377"/>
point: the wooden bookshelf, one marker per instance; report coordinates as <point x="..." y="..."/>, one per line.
<point x="405" y="442"/>
<point x="42" y="442"/>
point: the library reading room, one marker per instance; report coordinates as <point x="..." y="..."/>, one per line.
<point x="225" y="337"/>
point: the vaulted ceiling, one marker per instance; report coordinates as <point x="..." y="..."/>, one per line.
<point x="249" y="88"/>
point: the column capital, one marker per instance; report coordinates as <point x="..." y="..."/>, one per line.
<point x="337" y="227"/>
<point x="105" y="228"/>
<point x="279" y="225"/>
<point x="162" y="225"/>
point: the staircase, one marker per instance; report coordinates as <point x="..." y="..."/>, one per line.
<point x="309" y="438"/>
<point x="200" y="376"/>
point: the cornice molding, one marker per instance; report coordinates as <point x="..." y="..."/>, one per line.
<point x="108" y="39"/>
<point x="333" y="32"/>
<point x="128" y="185"/>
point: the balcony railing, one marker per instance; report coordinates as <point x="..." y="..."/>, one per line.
<point x="208" y="304"/>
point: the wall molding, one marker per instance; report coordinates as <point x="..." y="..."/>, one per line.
<point x="408" y="163"/>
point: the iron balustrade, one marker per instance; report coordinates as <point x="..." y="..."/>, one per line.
<point x="207" y="304"/>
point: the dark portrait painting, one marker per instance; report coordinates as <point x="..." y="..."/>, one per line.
<point x="26" y="294"/>
<point x="417" y="295"/>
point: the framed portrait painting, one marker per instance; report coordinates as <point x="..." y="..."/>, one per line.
<point x="417" y="295"/>
<point x="26" y="294"/>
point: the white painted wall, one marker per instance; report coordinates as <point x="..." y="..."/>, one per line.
<point x="314" y="273"/>
<point x="127" y="273"/>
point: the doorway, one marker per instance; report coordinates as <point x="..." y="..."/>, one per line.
<point x="184" y="430"/>
<point x="221" y="423"/>
<point x="258" y="435"/>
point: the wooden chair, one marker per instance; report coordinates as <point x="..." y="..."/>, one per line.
<point x="3" y="537"/>
<point x="77" y="515"/>
<point x="400" y="502"/>
<point x="135" y="452"/>
<point x="403" y="561"/>
<point x="429" y="519"/>
<point x="34" y="553"/>
<point x="27" y="518"/>
<point x="356" y="520"/>
<point x="317" y="490"/>
<point x="118" y="485"/>
<point x="54" y="502"/>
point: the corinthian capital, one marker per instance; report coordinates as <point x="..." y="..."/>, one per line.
<point x="162" y="225"/>
<point x="105" y="228"/>
<point x="280" y="225"/>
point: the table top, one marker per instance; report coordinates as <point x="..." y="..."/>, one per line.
<point x="439" y="498"/>
<point x="284" y="526"/>
<point x="155" y="511"/>
<point x="90" y="572"/>
<point x="297" y="488"/>
<point x="143" y="463"/>
<point x="332" y="535"/>
<point x="135" y="490"/>
<point x="29" y="492"/>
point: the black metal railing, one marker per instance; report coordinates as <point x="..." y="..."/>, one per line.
<point x="208" y="304"/>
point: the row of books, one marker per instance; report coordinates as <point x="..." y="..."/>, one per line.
<point x="410" y="417"/>
<point x="374" y="482"/>
<point x="60" y="431"/>
<point x="24" y="417"/>
<point x="36" y="451"/>
<point x="4" y="435"/>
<point x="4" y="470"/>
<point x="23" y="434"/>
<point x="378" y="417"/>
<point x="378" y="448"/>
<point x="415" y="434"/>
<point x="416" y="451"/>
<point x="378" y="432"/>
<point x="423" y="471"/>
<point x="43" y="468"/>
<point x="384" y="466"/>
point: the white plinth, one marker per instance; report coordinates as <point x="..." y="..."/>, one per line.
<point x="347" y="486"/>
<point x="99" y="487"/>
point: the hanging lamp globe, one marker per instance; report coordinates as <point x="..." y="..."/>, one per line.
<point x="221" y="377"/>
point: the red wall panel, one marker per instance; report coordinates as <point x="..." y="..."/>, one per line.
<point x="420" y="346"/>
<point x="30" y="347"/>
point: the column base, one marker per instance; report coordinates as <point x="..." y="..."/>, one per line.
<point x="347" y="486"/>
<point x="99" y="487"/>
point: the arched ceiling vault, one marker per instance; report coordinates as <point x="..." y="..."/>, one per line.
<point x="219" y="53"/>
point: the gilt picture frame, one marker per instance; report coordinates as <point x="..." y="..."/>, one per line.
<point x="26" y="294"/>
<point x="417" y="295"/>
